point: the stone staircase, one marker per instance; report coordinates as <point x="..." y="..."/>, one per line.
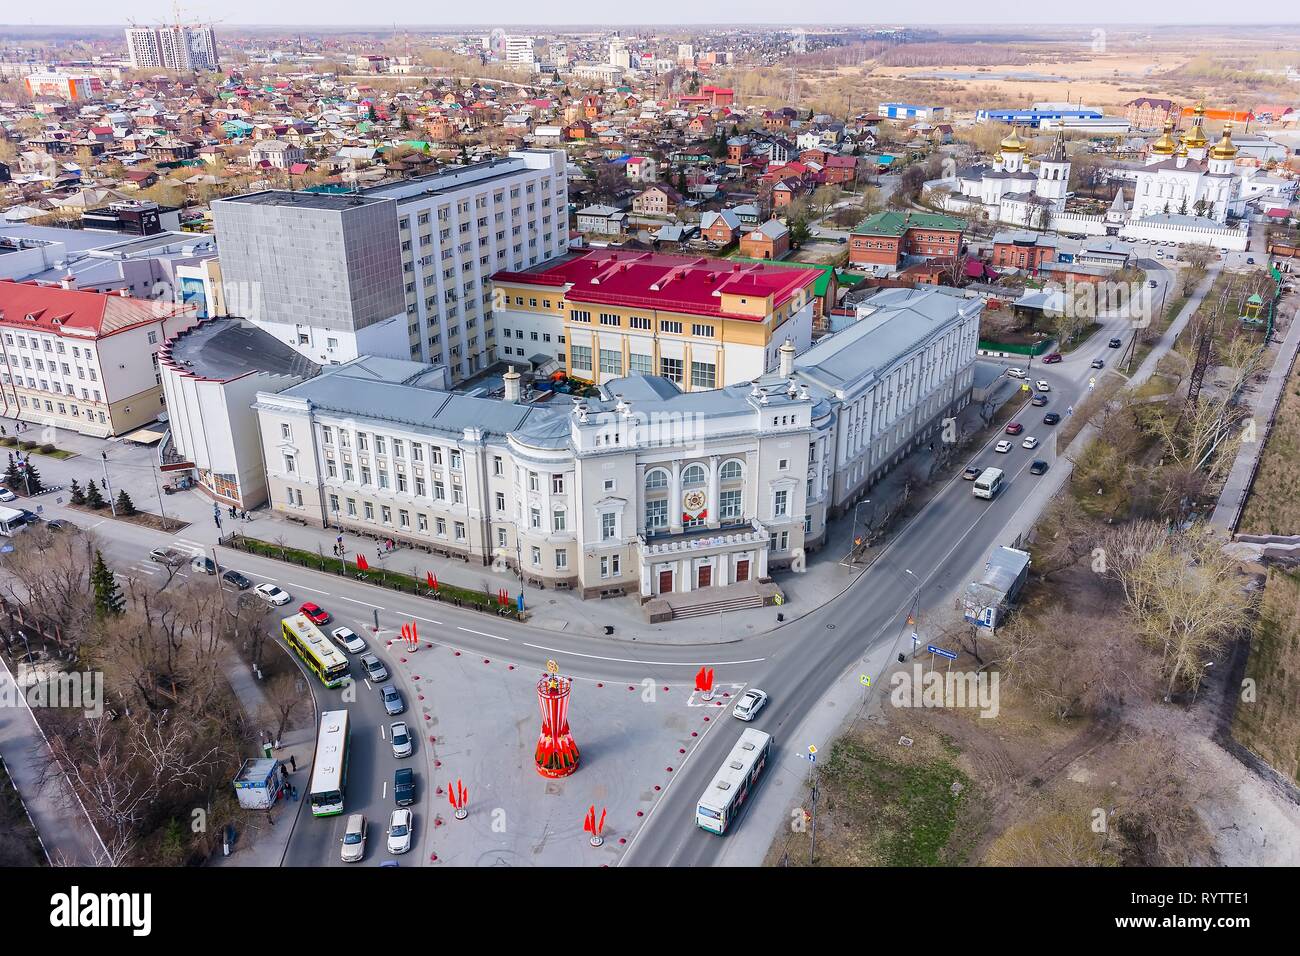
<point x="720" y="606"/>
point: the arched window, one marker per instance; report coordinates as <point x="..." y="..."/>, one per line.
<point x="731" y="471"/>
<point x="656" y="479"/>
<point x="693" y="475"/>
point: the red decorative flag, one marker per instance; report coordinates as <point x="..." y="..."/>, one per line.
<point x="362" y="564"/>
<point x="435" y="582"/>
<point x="428" y="576"/>
<point x="600" y="827"/>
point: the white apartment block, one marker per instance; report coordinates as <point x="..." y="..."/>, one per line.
<point x="519" y="49"/>
<point x="459" y="227"/>
<point x="179" y="47"/>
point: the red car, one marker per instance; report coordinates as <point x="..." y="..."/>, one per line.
<point x="1013" y="428"/>
<point x="1052" y="359"/>
<point x="315" y="613"/>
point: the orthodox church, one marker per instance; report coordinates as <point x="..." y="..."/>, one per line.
<point x="1008" y="190"/>
<point x="1190" y="178"/>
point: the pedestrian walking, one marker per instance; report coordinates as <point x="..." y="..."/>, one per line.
<point x="293" y="764"/>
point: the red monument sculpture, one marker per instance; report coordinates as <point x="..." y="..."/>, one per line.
<point x="557" y="754"/>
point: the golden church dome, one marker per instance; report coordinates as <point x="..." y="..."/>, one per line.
<point x="1224" y="148"/>
<point x="1166" y="144"/>
<point x="1195" y="137"/>
<point x="1013" y="143"/>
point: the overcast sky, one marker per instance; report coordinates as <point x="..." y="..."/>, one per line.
<point x="677" y="12"/>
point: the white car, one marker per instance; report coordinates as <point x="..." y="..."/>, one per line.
<point x="1002" y="447"/>
<point x="1015" y="373"/>
<point x="750" y="703"/>
<point x="399" y="831"/>
<point x="354" y="840"/>
<point x="7" y="495"/>
<point x="1042" y="386"/>
<point x="400" y="737"/>
<point x="273" y="595"/>
<point x="348" y="639"/>
<point x="1030" y="442"/>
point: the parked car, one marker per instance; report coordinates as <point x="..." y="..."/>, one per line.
<point x="1098" y="363"/>
<point x="1002" y="447"/>
<point x="7" y="495"/>
<point x="1114" y="343"/>
<point x="236" y="580"/>
<point x="1014" y="428"/>
<point x="273" y="595"/>
<point x="399" y="831"/>
<point x="203" y="565"/>
<point x="404" y="787"/>
<point x="1038" y="467"/>
<point x="400" y="737"/>
<point x="167" y="556"/>
<point x="374" y="667"/>
<point x="315" y="613"/>
<point x="348" y="639"/>
<point x="1042" y="386"/>
<point x="750" y="703"/>
<point x="1030" y="442"/>
<point x="354" y="839"/>
<point x="1051" y="418"/>
<point x="59" y="524"/>
<point x="1052" y="358"/>
<point x="972" y="472"/>
<point x="392" y="698"/>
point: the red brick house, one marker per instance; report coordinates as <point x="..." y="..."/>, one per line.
<point x="839" y="170"/>
<point x="769" y="241"/>
<point x="1027" y="250"/>
<point x="659" y="200"/>
<point x="885" y="238"/>
<point x="720" y="227"/>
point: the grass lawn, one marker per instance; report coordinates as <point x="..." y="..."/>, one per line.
<point x="1268" y="715"/>
<point x="1273" y="506"/>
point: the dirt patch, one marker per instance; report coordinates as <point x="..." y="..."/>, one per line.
<point x="146" y="519"/>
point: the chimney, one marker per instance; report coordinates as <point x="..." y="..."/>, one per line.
<point x="69" y="281"/>
<point x="124" y="293"/>
<point x="512" y="385"/>
<point x="787" y="358"/>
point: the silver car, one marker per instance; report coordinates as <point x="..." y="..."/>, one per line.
<point x="392" y="697"/>
<point x="400" y="737"/>
<point x="374" y="667"/>
<point x="354" y="839"/>
<point x="348" y="639"/>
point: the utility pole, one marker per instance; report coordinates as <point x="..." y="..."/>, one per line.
<point x="812" y="843"/>
<point x="111" y="503"/>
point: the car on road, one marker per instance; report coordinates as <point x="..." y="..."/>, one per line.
<point x="1052" y="358"/>
<point x="1098" y="363"/>
<point x="273" y="595"/>
<point x="1042" y="386"/>
<point x="354" y="839"/>
<point x="203" y="565"/>
<point x="167" y="556"/>
<point x="1038" y="467"/>
<point x="392" y="698"/>
<point x="1038" y="401"/>
<point x="374" y="667"/>
<point x="315" y="613"/>
<point x="1051" y="418"/>
<point x="1114" y="343"/>
<point x="1250" y="260"/>
<point x="399" y="831"/>
<point x="236" y="580"/>
<point x="750" y="703"/>
<point x="400" y="737"/>
<point x="404" y="787"/>
<point x="1016" y="373"/>
<point x="1014" y="428"/>
<point x="348" y="639"/>
<point x="972" y="472"/>
<point x="7" y="495"/>
<point x="1153" y="283"/>
<point x="1002" y="447"/>
<point x="1030" y="442"/>
<point x="59" y="524"/>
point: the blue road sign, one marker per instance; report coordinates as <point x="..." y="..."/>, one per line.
<point x="941" y="652"/>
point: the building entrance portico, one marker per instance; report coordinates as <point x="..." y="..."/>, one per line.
<point x="702" y="558"/>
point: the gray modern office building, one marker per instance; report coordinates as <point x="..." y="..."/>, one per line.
<point x="322" y="272"/>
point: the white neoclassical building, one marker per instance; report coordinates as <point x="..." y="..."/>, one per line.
<point x="641" y="488"/>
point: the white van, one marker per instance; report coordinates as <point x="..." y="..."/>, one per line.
<point x="988" y="484"/>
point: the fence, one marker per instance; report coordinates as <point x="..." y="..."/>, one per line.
<point x="484" y="601"/>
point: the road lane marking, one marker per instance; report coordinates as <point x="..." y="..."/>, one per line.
<point x="628" y="660"/>
<point x="305" y="588"/>
<point x="427" y="620"/>
<point x="470" y="630"/>
<point x="355" y="601"/>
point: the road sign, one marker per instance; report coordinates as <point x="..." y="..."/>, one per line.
<point x="1092" y="382"/>
<point x="812" y="749"/>
<point x="864" y="680"/>
<point x="941" y="652"/>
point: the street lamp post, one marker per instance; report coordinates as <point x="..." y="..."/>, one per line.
<point x="108" y="483"/>
<point x="853" y="535"/>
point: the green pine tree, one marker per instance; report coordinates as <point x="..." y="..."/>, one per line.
<point x="93" y="496"/>
<point x="75" y="493"/>
<point x="32" y="478"/>
<point x="108" y="598"/>
<point x="12" y="479"/>
<point x="125" y="506"/>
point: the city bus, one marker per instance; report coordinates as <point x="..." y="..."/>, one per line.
<point x="988" y="484"/>
<point x="323" y="659"/>
<point x="329" y="772"/>
<point x="724" y="800"/>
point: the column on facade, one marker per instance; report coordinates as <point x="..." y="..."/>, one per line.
<point x="638" y="500"/>
<point x="713" y="519"/>
<point x="675" y="499"/>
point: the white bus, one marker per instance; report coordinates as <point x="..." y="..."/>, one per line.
<point x="12" y="521"/>
<point x="724" y="800"/>
<point x="329" y="771"/>
<point x="989" y="483"/>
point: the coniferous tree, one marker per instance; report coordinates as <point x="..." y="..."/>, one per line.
<point x="93" y="496"/>
<point x="11" y="476"/>
<point x="32" y="477"/>
<point x="75" y="494"/>
<point x="108" y="598"/>
<point x="125" y="506"/>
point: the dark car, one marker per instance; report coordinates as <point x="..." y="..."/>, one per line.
<point x="1038" y="467"/>
<point x="203" y="565"/>
<point x="59" y="524"/>
<point x="1051" y="418"/>
<point x="237" y="580"/>
<point x="1053" y="358"/>
<point x="315" y="613"/>
<point x="1153" y="283"/>
<point x="1014" y="428"/>
<point x="1038" y="401"/>
<point x="404" y="787"/>
<point x="1114" y="343"/>
<point x="972" y="472"/>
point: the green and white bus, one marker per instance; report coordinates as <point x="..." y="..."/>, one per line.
<point x="329" y="771"/>
<point x="724" y="800"/>
<point x="321" y="657"/>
